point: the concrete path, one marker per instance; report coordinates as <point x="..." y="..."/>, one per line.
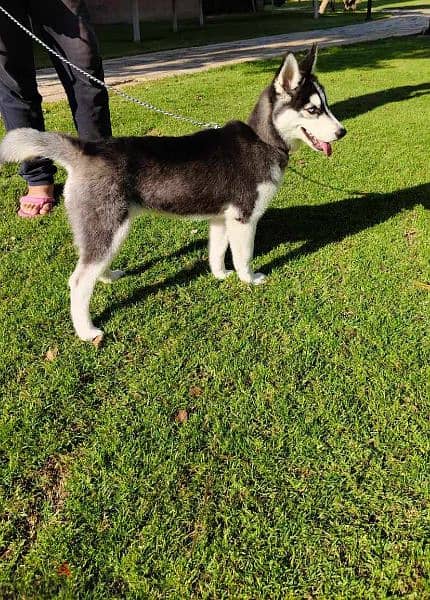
<point x="155" y="65"/>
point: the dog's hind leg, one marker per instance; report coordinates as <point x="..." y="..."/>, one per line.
<point x="81" y="285"/>
<point x="241" y="239"/>
<point x="83" y="280"/>
<point x="109" y="276"/>
<point x="218" y="243"/>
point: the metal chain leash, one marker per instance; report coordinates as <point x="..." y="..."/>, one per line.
<point x="124" y="95"/>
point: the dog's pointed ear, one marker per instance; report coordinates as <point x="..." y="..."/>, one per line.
<point x="308" y="64"/>
<point x="288" y="76"/>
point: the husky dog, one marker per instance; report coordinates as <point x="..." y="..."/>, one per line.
<point x="227" y="176"/>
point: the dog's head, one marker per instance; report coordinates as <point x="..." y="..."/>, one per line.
<point x="300" y="109"/>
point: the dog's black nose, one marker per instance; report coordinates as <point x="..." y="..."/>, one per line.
<point x="341" y="133"/>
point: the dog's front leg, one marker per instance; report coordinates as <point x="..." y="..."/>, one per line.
<point x="241" y="238"/>
<point x="218" y="243"/>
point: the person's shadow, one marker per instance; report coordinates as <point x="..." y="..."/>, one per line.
<point x="315" y="226"/>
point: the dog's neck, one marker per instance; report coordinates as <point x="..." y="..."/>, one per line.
<point x="261" y="122"/>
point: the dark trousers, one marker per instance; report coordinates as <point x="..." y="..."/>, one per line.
<point x="64" y="25"/>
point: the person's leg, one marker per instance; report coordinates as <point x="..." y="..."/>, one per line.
<point x="65" y="26"/>
<point x="20" y="102"/>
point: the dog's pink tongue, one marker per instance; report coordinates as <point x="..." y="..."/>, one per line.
<point x="326" y="148"/>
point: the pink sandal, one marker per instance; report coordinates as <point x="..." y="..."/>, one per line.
<point x="38" y="202"/>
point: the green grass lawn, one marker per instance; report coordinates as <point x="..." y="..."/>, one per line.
<point x="303" y="469"/>
<point x="395" y="4"/>
<point x="116" y="40"/>
<point x="377" y="6"/>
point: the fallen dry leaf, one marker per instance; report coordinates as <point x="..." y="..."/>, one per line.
<point x="181" y="416"/>
<point x="97" y="341"/>
<point x="51" y="354"/>
<point x="410" y="235"/>
<point x="423" y="286"/>
<point x="195" y="391"/>
<point x="64" y="570"/>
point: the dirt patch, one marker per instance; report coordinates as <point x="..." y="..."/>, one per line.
<point x="53" y="477"/>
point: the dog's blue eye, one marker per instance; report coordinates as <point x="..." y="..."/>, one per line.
<point x="312" y="110"/>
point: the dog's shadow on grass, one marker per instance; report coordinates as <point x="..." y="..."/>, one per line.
<point x="352" y="107"/>
<point x="317" y="226"/>
<point x="184" y="251"/>
<point x="183" y="276"/>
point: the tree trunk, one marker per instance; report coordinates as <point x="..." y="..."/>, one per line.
<point x="369" y="10"/>
<point x="315" y="5"/>
<point x="136" y="20"/>
<point x="202" y="14"/>
<point x="175" y="16"/>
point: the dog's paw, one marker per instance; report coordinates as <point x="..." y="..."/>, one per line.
<point x="254" y="278"/>
<point x="258" y="278"/>
<point x="111" y="276"/>
<point x="91" y="335"/>
<point x="222" y="274"/>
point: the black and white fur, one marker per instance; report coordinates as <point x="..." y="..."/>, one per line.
<point x="227" y="176"/>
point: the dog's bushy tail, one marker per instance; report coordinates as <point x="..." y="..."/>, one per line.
<point x="23" y="144"/>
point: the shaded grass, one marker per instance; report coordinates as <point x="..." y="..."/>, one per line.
<point x="116" y="40"/>
<point x="377" y="5"/>
<point x="400" y="4"/>
<point x="302" y="470"/>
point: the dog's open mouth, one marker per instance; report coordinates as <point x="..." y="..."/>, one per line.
<point x="318" y="144"/>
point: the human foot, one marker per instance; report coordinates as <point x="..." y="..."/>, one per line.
<point x="37" y="202"/>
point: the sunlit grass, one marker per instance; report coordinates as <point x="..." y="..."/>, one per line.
<point x="302" y="470"/>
